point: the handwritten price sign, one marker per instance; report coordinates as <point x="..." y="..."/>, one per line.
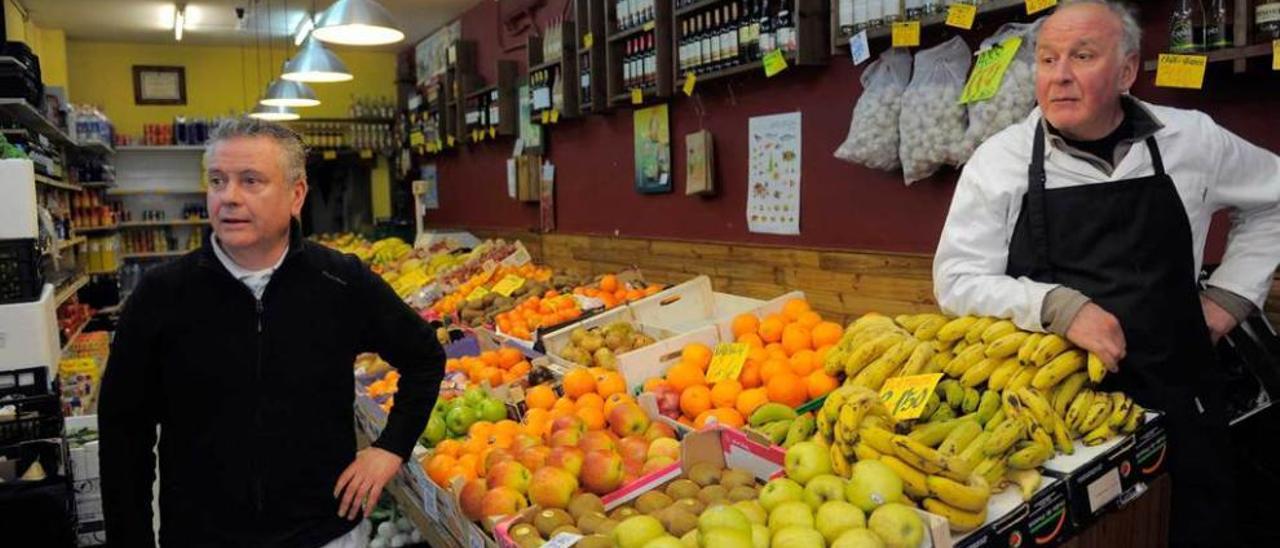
<point x="988" y="71"/>
<point x="1180" y="71"/>
<point x="727" y="361"/>
<point x="906" y="397"/>
<point x="508" y="285"/>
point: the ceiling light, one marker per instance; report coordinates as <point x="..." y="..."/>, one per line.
<point x="303" y="31"/>
<point x="314" y="63"/>
<point x="273" y="114"/>
<point x="357" y="23"/>
<point x="287" y="93"/>
<point x="179" y="21"/>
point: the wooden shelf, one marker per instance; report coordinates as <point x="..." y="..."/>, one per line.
<point x="696" y="6"/>
<point x="108" y="272"/>
<point x="1224" y="55"/>
<point x="96" y="147"/>
<point x="624" y="34"/>
<point x="178" y="222"/>
<point x="157" y="191"/>
<point x="66" y="244"/>
<point x="98" y="184"/>
<point x="568" y="65"/>
<point x="160" y="148"/>
<point x="155" y="254"/>
<point x="88" y="229"/>
<point x="45" y="180"/>
<point x="840" y="40"/>
<point x="664" y="42"/>
<point x="65" y="293"/>
<point x="590" y="19"/>
<point x="17" y="110"/>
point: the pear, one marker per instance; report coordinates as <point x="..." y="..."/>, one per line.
<point x="591" y="343"/>
<point x="606" y="358"/>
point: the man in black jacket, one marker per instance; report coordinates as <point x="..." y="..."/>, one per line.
<point x="241" y="352"/>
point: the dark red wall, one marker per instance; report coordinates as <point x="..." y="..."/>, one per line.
<point x="843" y="205"/>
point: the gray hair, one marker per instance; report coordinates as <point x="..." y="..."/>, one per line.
<point x="1131" y="41"/>
<point x="294" y="161"/>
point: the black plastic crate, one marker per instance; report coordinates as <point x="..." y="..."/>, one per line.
<point x="20" y="277"/>
<point x="37" y="407"/>
<point x="38" y="513"/>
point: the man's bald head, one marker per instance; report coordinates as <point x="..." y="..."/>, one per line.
<point x="1129" y="31"/>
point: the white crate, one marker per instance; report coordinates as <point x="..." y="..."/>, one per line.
<point x="691" y="305"/>
<point x="772" y="306"/>
<point x="554" y="342"/>
<point x="655" y="359"/>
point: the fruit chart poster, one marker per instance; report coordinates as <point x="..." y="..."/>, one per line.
<point x="773" y="174"/>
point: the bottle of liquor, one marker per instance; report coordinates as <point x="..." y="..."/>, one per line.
<point x="584" y="79"/>
<point x="718" y="45"/>
<point x="708" y="51"/>
<point x="744" y="31"/>
<point x="1182" y="36"/>
<point x="682" y="52"/>
<point x="629" y="64"/>
<point x="784" y="30"/>
<point x="1217" y="25"/>
<point x="651" y="62"/>
<point x="766" y="28"/>
<point x="729" y="36"/>
<point x="753" y="38"/>
<point x="557" y="88"/>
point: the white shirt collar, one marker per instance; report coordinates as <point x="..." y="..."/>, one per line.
<point x="238" y="272"/>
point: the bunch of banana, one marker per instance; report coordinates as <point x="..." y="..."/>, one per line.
<point x="781" y="425"/>
<point x="1099" y="416"/>
<point x="842" y="416"/>
<point x="951" y="399"/>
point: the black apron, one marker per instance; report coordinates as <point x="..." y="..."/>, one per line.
<point x="1127" y="246"/>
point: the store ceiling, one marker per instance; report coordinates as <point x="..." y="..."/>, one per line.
<point x="213" y="22"/>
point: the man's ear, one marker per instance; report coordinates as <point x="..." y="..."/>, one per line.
<point x="1128" y="72"/>
<point x="299" y="197"/>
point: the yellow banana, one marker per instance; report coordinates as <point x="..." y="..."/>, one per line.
<point x="974" y="334"/>
<point x="1120" y="407"/>
<point x="1029" y="346"/>
<point x="870" y="319"/>
<point x="863" y="451"/>
<point x="959" y="437"/>
<point x="954" y="330"/>
<point x="839" y="463"/>
<point x="938" y="362"/>
<point x="992" y="469"/>
<point x="972" y="497"/>
<point x="867" y="352"/>
<point x="973" y="454"/>
<point x="1098" y="435"/>
<point x="1049" y="348"/>
<point x="1136" y="416"/>
<point x="1002" y="374"/>
<point x="959" y="520"/>
<point x="1066" y="392"/>
<point x="1023" y="378"/>
<point x="988" y="405"/>
<point x="927" y="329"/>
<point x="997" y="330"/>
<point x="1042" y="437"/>
<point x="1004" y="436"/>
<point x="934" y="433"/>
<point x="1028" y="481"/>
<point x="899" y="353"/>
<point x="1006" y="345"/>
<point x="972" y="397"/>
<point x="1029" y="456"/>
<point x="1039" y="407"/>
<point x="878" y="438"/>
<point x="971" y="355"/>
<point x="1098" y="413"/>
<point x="874" y="375"/>
<point x="979" y="372"/>
<point x="916" y="454"/>
<point x="1058" y="368"/>
<point x="918" y="360"/>
<point x="1078" y="409"/>
<point x="1097" y="369"/>
<point x="995" y="420"/>
<point x="1062" y="436"/>
<point x="952" y="392"/>
<point x="914" y="482"/>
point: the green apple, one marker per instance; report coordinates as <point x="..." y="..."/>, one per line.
<point x="837" y="516"/>
<point x="795" y="536"/>
<point x="460" y="419"/>
<point x="635" y="531"/>
<point x="759" y="535"/>
<point x="791" y="513"/>
<point x="807" y="460"/>
<point x="436" y="430"/>
<point x="778" y="491"/>
<point x="822" y="489"/>
<point x="721" y="516"/>
<point x="690" y="539"/>
<point x="664" y="541"/>
<point x="492" y="410"/>
<point x="898" y="525"/>
<point x="473" y="396"/>
<point x="872" y="484"/>
<point x="725" y="537"/>
<point x="753" y="511"/>
<point x="858" y="538"/>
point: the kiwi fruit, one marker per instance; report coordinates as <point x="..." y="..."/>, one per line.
<point x="682" y="489"/>
<point x="712" y="493"/>
<point x="564" y="529"/>
<point x="530" y="542"/>
<point x="589" y="520"/>
<point x="731" y="478"/>
<point x="525" y="534"/>
<point x="595" y="541"/>
<point x="548" y="520"/>
<point x="678" y="521"/>
<point x="692" y="505"/>
<point x="742" y="492"/>
<point x="584" y="503"/>
<point x="621" y="513"/>
<point x="652" y="501"/>
<point x="704" y="473"/>
<point x="605" y="527"/>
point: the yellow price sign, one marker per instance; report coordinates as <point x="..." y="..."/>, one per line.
<point x="330" y="154"/>
<point x="906" y="397"/>
<point x="690" y="79"/>
<point x="1275" y="54"/>
<point x="508" y="285"/>
<point x="774" y="63"/>
<point x="648" y="26"/>
<point x="452" y="141"/>
<point x="493" y="132"/>
<point x="988" y="71"/>
<point x="906" y="34"/>
<point x="366" y="154"/>
<point x="545" y="116"/>
<point x="417" y="138"/>
<point x="588" y="40"/>
<point x="726" y="361"/>
<point x="431" y="147"/>
<point x="1037" y="6"/>
<point x="637" y="96"/>
<point x="555" y="116"/>
<point x="439" y="145"/>
<point x="478" y="293"/>
<point x="1180" y="71"/>
<point x="409" y="282"/>
<point x="961" y="16"/>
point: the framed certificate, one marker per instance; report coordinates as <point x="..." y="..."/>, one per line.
<point x="153" y="85"/>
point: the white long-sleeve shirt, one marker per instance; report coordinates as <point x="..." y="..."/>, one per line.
<point x="1211" y="168"/>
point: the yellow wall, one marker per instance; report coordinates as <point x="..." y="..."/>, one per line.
<point x="50" y="45"/>
<point x="101" y="74"/>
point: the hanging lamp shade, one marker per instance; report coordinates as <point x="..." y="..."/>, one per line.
<point x="357" y="23"/>
<point x="285" y="93"/>
<point x="273" y="114"/>
<point x="314" y="63"/>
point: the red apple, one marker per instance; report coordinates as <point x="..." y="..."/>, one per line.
<point x="493" y="457"/>
<point x="602" y="472"/>
<point x="668" y="400"/>
<point x="659" y="430"/>
<point x="524" y="441"/>
<point x="628" y="477"/>
<point x="568" y="458"/>
<point x="535" y="457"/>
<point x="666" y="447"/>
<point x="502" y="501"/>
<point x="632" y="467"/>
<point x="509" y="473"/>
<point x="627" y="419"/>
<point x="633" y="448"/>
<point x="597" y="440"/>
<point x="568" y="421"/>
<point x="656" y="463"/>
<point x="472" y="499"/>
<point x="567" y="437"/>
<point x="552" y="487"/>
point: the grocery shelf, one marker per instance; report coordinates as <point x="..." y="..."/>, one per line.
<point x="49" y="181"/>
<point x="697" y="6"/>
<point x="86" y="229"/>
<point x="108" y="272"/>
<point x="624" y="34"/>
<point x="160" y="148"/>
<point x="65" y="293"/>
<point x="143" y="191"/>
<point x="156" y="254"/>
<point x="19" y="111"/>
<point x="178" y="222"/>
<point x="75" y="334"/>
<point x="1223" y="55"/>
<point x="71" y="243"/>
<point x="98" y="184"/>
<point x="97" y="147"/>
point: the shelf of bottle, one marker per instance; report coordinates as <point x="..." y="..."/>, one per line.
<point x="155" y="254"/>
<point x="1223" y="55"/>
<point x="177" y="222"/>
<point x="546" y="65"/>
<point x="741" y="68"/>
<point x="481" y="92"/>
<point x="633" y="31"/>
<point x="648" y="92"/>
<point x="696" y="6"/>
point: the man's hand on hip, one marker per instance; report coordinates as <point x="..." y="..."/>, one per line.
<point x="1098" y="331"/>
<point x="1220" y="321"/>
<point x="361" y="483"/>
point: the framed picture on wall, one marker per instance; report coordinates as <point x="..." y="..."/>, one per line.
<point x="155" y="85"/>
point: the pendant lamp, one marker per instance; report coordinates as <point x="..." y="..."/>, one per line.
<point x="286" y="93"/>
<point x="273" y="114"/>
<point x="357" y="23"/>
<point x="315" y="63"/>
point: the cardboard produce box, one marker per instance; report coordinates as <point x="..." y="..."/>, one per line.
<point x="691" y="305"/>
<point x="554" y="343"/>
<point x="1011" y="522"/>
<point x="1101" y="477"/>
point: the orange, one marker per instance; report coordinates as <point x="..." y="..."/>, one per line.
<point x="695" y="400"/>
<point x="520" y="369"/>
<point x="788" y="389"/>
<point x="439" y="467"/>
<point x="564" y="405"/>
<point x="757" y="354"/>
<point x="750" y="375"/>
<point x="723" y="416"/>
<point x="451" y="365"/>
<point x="819" y="384"/>
<point x="771" y="330"/>
<point x="745" y="323"/>
<point x="493" y="375"/>
<point x="794" y="308"/>
<point x="683" y="375"/>
<point x="593" y="417"/>
<point x="826" y="333"/>
<point x="537" y="414"/>
<point x="475" y="445"/>
<point x="697" y="354"/>
<point x="685" y="421"/>
<point x="540" y="397"/>
<point x="613" y="401"/>
<point x="802" y="362"/>
<point x="809" y="319"/>
<point x="796" y="338"/>
<point x="490" y="357"/>
<point x="751" y="339"/>
<point x="772" y="368"/>
<point x="775" y="350"/>
<point x="609" y="283"/>
<point x="503" y="440"/>
<point x="725" y="393"/>
<point x="653" y="383"/>
<point x="578" y="382"/>
<point x="506" y="427"/>
<point x="449" y="447"/>
<point x="750" y="399"/>
<point x="480" y="429"/>
<point x="470" y="463"/>
<point x="590" y="399"/>
<point x="508" y="357"/>
<point x="610" y="383"/>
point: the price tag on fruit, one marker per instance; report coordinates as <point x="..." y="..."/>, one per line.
<point x="906" y="397"/>
<point x="774" y="63"/>
<point x="727" y="361"/>
<point x="988" y="71"/>
<point x="429" y="504"/>
<point x="906" y="34"/>
<point x="477" y="294"/>
<point x="508" y="285"/>
<point x="555" y="116"/>
<point x="637" y="96"/>
<point x="1037" y="6"/>
<point x="366" y="154"/>
<point x="562" y="540"/>
<point x="330" y="154"/>
<point x="961" y="16"/>
<point x="1180" y="71"/>
<point x="588" y="40"/>
<point x="690" y="80"/>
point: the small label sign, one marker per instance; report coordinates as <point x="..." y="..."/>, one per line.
<point x="774" y="63"/>
<point x="961" y="16"/>
<point x="906" y="397"/>
<point x="906" y="35"/>
<point x="1180" y="71"/>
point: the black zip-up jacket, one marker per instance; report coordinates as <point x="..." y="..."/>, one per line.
<point x="254" y="399"/>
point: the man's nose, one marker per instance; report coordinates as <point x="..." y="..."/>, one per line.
<point x="1061" y="72"/>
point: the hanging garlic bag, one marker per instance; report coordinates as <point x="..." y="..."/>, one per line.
<point x="1016" y="96"/>
<point x="873" y="131"/>
<point x="932" y="124"/>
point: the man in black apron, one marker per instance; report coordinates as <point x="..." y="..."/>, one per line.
<point x="1119" y="254"/>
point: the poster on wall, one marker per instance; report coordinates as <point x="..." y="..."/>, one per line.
<point x="653" y="150"/>
<point x="773" y="174"/>
<point x="431" y="55"/>
<point x="530" y="133"/>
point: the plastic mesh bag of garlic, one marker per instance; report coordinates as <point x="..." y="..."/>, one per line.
<point x="873" y="131"/>
<point x="1017" y="94"/>
<point x="931" y="126"/>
